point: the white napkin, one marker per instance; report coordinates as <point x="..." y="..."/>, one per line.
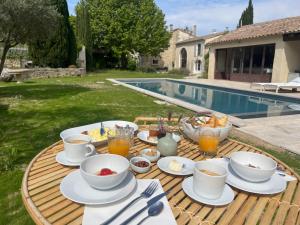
<point x="94" y="215"/>
<point x="224" y="162"/>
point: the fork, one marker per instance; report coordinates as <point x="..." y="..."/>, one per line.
<point x="145" y="194"/>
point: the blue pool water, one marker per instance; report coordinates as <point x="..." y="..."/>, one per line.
<point x="242" y="104"/>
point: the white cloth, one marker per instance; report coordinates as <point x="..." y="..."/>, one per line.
<point x="94" y="215"/>
<point x="224" y="162"/>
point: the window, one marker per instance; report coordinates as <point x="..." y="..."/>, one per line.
<point x="183" y="57"/>
<point x="199" y="49"/>
<point x="198" y="65"/>
<point x="269" y="58"/>
<point x="247" y="60"/>
<point x="155" y="62"/>
<point x="257" y="59"/>
<point x="237" y="60"/>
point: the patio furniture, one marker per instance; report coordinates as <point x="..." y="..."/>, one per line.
<point x="46" y="205"/>
<point x="293" y="84"/>
<point x="19" y="74"/>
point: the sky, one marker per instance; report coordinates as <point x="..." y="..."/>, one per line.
<point x="211" y="15"/>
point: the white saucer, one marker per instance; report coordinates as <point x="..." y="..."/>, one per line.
<point x="75" y="188"/>
<point x="188" y="168"/>
<point x="273" y="186"/>
<point x="61" y="159"/>
<point x="143" y="135"/>
<point x="226" y="197"/>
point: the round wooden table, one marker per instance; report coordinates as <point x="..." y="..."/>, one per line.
<point x="46" y="205"/>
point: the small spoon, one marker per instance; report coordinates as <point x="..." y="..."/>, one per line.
<point x="154" y="210"/>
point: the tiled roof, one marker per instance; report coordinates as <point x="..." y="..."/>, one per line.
<point x="201" y="38"/>
<point x="274" y="27"/>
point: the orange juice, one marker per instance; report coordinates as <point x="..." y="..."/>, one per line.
<point x="208" y="144"/>
<point x="119" y="146"/>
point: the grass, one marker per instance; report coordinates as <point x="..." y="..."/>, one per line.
<point x="35" y="112"/>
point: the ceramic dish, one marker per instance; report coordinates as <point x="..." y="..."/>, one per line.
<point x="226" y="197"/>
<point x="252" y="166"/>
<point x="274" y="185"/>
<point x="143" y="136"/>
<point x="188" y="165"/>
<point x="149" y="157"/>
<point x="91" y="167"/>
<point x="137" y="168"/>
<point x="75" y="188"/>
<point x="106" y="124"/>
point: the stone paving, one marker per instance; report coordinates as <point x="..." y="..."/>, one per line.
<point x="281" y="131"/>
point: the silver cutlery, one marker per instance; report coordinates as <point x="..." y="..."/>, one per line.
<point x="145" y="194"/>
<point x="154" y="210"/>
<point x="149" y="204"/>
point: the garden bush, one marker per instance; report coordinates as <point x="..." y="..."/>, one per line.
<point x="184" y="72"/>
<point x="147" y="69"/>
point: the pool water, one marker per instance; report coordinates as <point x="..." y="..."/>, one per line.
<point x="242" y="104"/>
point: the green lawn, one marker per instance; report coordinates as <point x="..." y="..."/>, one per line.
<point x="35" y="112"/>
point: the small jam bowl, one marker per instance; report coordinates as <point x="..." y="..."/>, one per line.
<point x="151" y="158"/>
<point x="139" y="169"/>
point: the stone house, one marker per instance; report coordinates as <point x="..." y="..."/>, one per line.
<point x="186" y="51"/>
<point x="262" y="52"/>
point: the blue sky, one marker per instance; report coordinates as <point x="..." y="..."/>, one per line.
<point x="219" y="14"/>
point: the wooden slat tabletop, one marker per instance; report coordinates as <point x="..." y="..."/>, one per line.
<point x="46" y="205"/>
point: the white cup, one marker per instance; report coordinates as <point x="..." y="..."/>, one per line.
<point x="76" y="152"/>
<point x="208" y="186"/>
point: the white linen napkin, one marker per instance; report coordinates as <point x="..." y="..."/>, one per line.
<point x="224" y="162"/>
<point x="94" y="215"/>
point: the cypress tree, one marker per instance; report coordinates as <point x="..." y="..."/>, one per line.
<point x="247" y="15"/>
<point x="83" y="30"/>
<point x="59" y="50"/>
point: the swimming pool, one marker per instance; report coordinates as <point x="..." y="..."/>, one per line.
<point x="238" y="103"/>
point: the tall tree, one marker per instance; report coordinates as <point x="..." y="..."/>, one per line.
<point x="127" y="27"/>
<point x="60" y="49"/>
<point x="24" y="21"/>
<point x="83" y="30"/>
<point x="247" y="15"/>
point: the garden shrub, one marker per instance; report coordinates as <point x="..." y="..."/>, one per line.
<point x="131" y="64"/>
<point x="147" y="69"/>
<point x="184" y="72"/>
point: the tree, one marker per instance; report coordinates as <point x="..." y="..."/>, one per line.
<point x="127" y="27"/>
<point x="24" y="21"/>
<point x="60" y="49"/>
<point x="83" y="30"/>
<point x="247" y="15"/>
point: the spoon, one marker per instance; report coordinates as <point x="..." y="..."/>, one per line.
<point x="154" y="210"/>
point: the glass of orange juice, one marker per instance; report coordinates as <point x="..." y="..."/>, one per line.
<point x="209" y="139"/>
<point x="119" y="142"/>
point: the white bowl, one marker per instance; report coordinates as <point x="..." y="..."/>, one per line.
<point x="140" y="169"/>
<point x="194" y="132"/>
<point x="92" y="165"/>
<point x="265" y="166"/>
<point x="151" y="158"/>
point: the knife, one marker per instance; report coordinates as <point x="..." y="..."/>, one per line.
<point x="149" y="203"/>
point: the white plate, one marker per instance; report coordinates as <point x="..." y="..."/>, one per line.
<point x="75" y="188"/>
<point x="188" y="168"/>
<point x="106" y="124"/>
<point x="226" y="197"/>
<point x="61" y="159"/>
<point x="275" y="185"/>
<point x="143" y="135"/>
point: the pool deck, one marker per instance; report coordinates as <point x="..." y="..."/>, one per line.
<point x="280" y="131"/>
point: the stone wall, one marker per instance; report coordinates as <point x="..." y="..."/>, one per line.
<point x="55" y="72"/>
